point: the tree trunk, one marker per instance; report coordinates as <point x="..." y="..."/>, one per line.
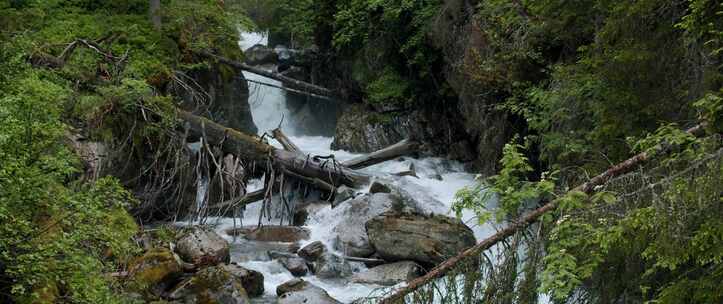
<point x="401" y="148"/>
<point x="155" y="13"/>
<point x="252" y="149"/>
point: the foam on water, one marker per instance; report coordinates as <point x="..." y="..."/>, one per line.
<point x="438" y="181"/>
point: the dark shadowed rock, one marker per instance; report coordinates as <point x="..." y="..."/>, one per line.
<point x="389" y="274"/>
<point x="298" y="291"/>
<point x="251" y="280"/>
<point x="378" y="187"/>
<point x="211" y="285"/>
<point x="343" y="193"/>
<point x="260" y="54"/>
<point x="202" y="246"/>
<point x="302" y="212"/>
<point x="295" y="265"/>
<point x="429" y="240"/>
<point x="312" y="251"/>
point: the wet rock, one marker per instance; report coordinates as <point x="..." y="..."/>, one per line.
<point x="292" y="263"/>
<point x="202" y="247"/>
<point x="389" y="274"/>
<point x="272" y="233"/>
<point x="298" y="291"/>
<point x="302" y="212"/>
<point x="343" y="193"/>
<point x="155" y="271"/>
<point x="211" y="285"/>
<point x="313" y="251"/>
<point x="330" y="266"/>
<point x="251" y="280"/>
<point x="378" y="187"/>
<point x="260" y="54"/>
<point x="426" y="239"/>
<point x="352" y="237"/>
<point x="243" y="250"/>
<point x="295" y="265"/>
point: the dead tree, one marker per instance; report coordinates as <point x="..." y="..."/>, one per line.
<point x="523" y="222"/>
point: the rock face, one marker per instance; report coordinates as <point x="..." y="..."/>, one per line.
<point x="298" y="291"/>
<point x="362" y="129"/>
<point x="428" y="240"/>
<point x="352" y="237"/>
<point x="211" y="285"/>
<point x="202" y="247"/>
<point x="389" y="274"/>
<point x="156" y="270"/>
<point x="272" y="233"/>
<point x="459" y="37"/>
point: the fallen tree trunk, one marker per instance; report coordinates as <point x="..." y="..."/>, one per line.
<point x="249" y="198"/>
<point x="251" y="148"/>
<point x="287" y="81"/>
<point x="401" y="148"/>
<point x="526" y="220"/>
<point x="285" y="141"/>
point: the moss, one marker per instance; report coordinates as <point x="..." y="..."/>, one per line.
<point x="46" y="293"/>
<point x="153" y="268"/>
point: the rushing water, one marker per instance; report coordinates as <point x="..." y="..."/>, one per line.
<point x="269" y="110"/>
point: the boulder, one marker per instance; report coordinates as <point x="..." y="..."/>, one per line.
<point x="243" y="250"/>
<point x="211" y="285"/>
<point x="313" y="251"/>
<point x="298" y="291"/>
<point x="378" y="187"/>
<point x="292" y="263"/>
<point x="202" y="247"/>
<point x="251" y="280"/>
<point x="343" y="193"/>
<point x="352" y="237"/>
<point x="426" y="239"/>
<point x="389" y="274"/>
<point x="155" y="271"/>
<point x="272" y="233"/>
<point x="331" y="266"/>
<point x="260" y="54"/>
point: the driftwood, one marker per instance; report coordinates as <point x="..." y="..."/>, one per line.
<point x="287" y="81"/>
<point x="526" y="220"/>
<point x="289" y="89"/>
<point x="401" y="148"/>
<point x="249" y="198"/>
<point x="285" y="141"/>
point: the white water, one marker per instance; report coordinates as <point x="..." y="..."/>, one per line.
<point x="269" y="110"/>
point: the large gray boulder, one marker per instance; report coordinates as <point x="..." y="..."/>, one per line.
<point x="426" y="239"/>
<point x="155" y="271"/>
<point x="251" y="280"/>
<point x="331" y="266"/>
<point x="389" y="274"/>
<point x="298" y="291"/>
<point x="202" y="247"/>
<point x="211" y="285"/>
<point x="312" y="251"/>
<point x="352" y="237"/>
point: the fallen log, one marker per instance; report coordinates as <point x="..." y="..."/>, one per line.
<point x="285" y="141"/>
<point x="287" y="81"/>
<point x="249" y="198"/>
<point x="526" y="220"/>
<point x="289" y="89"/>
<point x="401" y="148"/>
<point x="253" y="149"/>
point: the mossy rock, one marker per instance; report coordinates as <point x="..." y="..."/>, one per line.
<point x="155" y="271"/>
<point x="212" y="285"/>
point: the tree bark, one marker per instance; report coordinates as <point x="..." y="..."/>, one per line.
<point x="155" y="13"/>
<point x="401" y="148"/>
<point x="285" y="141"/>
<point x="251" y="148"/>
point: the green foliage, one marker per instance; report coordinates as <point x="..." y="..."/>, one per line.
<point x="388" y="88"/>
<point x="511" y="187"/>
